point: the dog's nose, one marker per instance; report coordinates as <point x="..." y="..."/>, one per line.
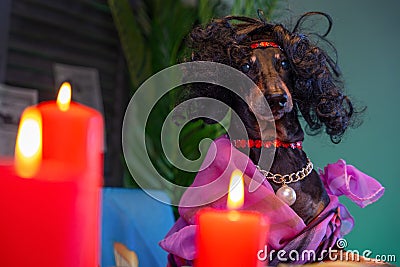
<point x="277" y="100"/>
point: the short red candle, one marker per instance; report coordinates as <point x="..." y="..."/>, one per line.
<point x="52" y="217"/>
<point x="229" y="238"/>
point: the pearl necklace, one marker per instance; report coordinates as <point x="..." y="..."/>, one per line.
<point x="286" y="193"/>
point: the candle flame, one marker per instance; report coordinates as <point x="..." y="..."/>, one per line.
<point x="64" y="96"/>
<point x="28" y="147"/>
<point x="236" y="190"/>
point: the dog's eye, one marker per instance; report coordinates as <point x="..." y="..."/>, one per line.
<point x="245" y="68"/>
<point x="285" y="64"/>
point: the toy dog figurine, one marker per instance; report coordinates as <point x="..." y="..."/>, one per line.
<point x="295" y="77"/>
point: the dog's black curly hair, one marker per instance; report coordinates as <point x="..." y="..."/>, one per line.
<point x="318" y="91"/>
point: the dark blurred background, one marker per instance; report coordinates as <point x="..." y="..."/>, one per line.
<point x="36" y="34"/>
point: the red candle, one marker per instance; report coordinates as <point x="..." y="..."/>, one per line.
<point x="230" y="237"/>
<point x="50" y="196"/>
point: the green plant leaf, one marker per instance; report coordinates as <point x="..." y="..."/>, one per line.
<point x="132" y="41"/>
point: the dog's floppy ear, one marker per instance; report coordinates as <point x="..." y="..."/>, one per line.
<point x="318" y="90"/>
<point x="320" y="95"/>
<point x="213" y="42"/>
<point x="204" y="101"/>
<point x="330" y="109"/>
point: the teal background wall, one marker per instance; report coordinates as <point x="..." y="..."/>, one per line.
<point x="367" y="36"/>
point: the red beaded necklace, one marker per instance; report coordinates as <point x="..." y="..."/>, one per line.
<point x="251" y="143"/>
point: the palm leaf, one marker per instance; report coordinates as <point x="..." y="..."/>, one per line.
<point x="249" y="8"/>
<point x="152" y="35"/>
<point x="132" y="40"/>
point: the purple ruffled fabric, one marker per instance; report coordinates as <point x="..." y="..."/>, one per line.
<point x="287" y="230"/>
<point x="342" y="179"/>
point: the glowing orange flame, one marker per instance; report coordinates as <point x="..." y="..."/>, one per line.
<point x="28" y="148"/>
<point x="64" y="96"/>
<point x="236" y="191"/>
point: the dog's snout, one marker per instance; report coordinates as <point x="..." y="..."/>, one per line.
<point x="283" y="101"/>
<point x="278" y="100"/>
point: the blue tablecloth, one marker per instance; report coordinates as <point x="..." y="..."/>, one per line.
<point x="138" y="221"/>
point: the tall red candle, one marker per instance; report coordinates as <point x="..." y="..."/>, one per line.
<point x="230" y="237"/>
<point x="51" y="203"/>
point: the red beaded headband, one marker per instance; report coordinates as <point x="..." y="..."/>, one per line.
<point x="243" y="143"/>
<point x="264" y="44"/>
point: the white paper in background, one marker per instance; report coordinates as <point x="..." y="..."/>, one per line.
<point x="13" y="101"/>
<point x="85" y="82"/>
